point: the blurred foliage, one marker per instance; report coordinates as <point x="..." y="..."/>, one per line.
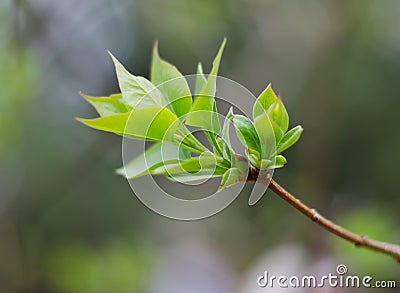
<point x="19" y="85"/>
<point x="116" y="267"/>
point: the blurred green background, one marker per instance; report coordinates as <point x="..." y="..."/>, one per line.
<point x="68" y="224"/>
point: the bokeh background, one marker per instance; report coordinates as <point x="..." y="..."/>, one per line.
<point x="68" y="224"/>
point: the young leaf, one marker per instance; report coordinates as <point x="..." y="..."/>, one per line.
<point x="253" y="158"/>
<point x="210" y="86"/>
<point x="203" y="113"/>
<point x="277" y="113"/>
<point x="269" y="102"/>
<point x="246" y="132"/>
<point x="137" y="91"/>
<point x="227" y="151"/>
<point x="206" y="161"/>
<point x="188" y="139"/>
<point x="200" y="79"/>
<point x="171" y="83"/>
<point x="264" y="101"/>
<point x="265" y="164"/>
<point x="201" y="175"/>
<point x="278" y="132"/>
<point x="266" y="135"/>
<point x="107" y="106"/>
<point x="240" y="163"/>
<point x="212" y="138"/>
<point x="155" y="156"/>
<point x="289" y="139"/>
<point x="230" y="178"/>
<point x="278" y="162"/>
<point x="149" y="123"/>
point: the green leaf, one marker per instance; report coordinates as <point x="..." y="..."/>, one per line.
<point x="266" y="135"/>
<point x="265" y="164"/>
<point x="278" y="162"/>
<point x="201" y="175"/>
<point x="206" y="161"/>
<point x="268" y="101"/>
<point x="278" y="132"/>
<point x="264" y="101"/>
<point x="227" y="151"/>
<point x="246" y="132"/>
<point x="137" y="91"/>
<point x="200" y="79"/>
<point x="171" y="83"/>
<point x="277" y="113"/>
<point x="212" y="138"/>
<point x="253" y="158"/>
<point x="155" y="156"/>
<point x="210" y="87"/>
<point x="188" y="139"/>
<point x="240" y="163"/>
<point x="203" y="113"/>
<point x="150" y="123"/>
<point x="230" y="178"/>
<point x="107" y="106"/>
<point x="289" y="139"/>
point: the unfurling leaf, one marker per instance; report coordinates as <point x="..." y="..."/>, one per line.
<point x="230" y="178"/>
<point x="107" y="106"/>
<point x="203" y="113"/>
<point x="200" y="79"/>
<point x="171" y="83"/>
<point x="206" y="161"/>
<point x="137" y="91"/>
<point x="227" y="151"/>
<point x="271" y="104"/>
<point x="153" y="123"/>
<point x="289" y="139"/>
<point x="155" y="156"/>
<point x="266" y="134"/>
<point x="246" y="132"/>
<point x="280" y="161"/>
<point x="277" y="162"/>
<point x="201" y="175"/>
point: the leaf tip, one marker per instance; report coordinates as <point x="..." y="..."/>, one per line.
<point x="224" y="41"/>
<point x="200" y="68"/>
<point x="110" y="54"/>
<point x="114" y="59"/>
<point x="121" y="171"/>
<point x="299" y="128"/>
<point x="230" y="114"/>
<point x="81" y="120"/>
<point x="223" y="44"/>
<point x="85" y="96"/>
<point x="155" y="49"/>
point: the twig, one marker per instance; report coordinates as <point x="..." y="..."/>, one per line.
<point x="358" y="240"/>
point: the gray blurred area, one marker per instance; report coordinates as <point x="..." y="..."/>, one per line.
<point x="68" y="224"/>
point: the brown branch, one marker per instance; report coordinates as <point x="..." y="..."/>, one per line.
<point x="358" y="240"/>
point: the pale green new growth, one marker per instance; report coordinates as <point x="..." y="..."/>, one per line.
<point x="159" y="110"/>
